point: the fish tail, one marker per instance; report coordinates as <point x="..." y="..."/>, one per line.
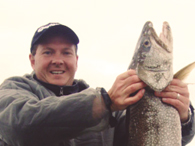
<point x="184" y="72"/>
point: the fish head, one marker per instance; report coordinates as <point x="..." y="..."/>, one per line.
<point x="152" y="59"/>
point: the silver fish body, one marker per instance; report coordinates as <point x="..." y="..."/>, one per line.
<point x="150" y="121"/>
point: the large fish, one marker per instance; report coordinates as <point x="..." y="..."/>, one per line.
<point x="150" y="121"/>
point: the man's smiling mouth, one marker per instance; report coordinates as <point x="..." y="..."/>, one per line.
<point x="57" y="72"/>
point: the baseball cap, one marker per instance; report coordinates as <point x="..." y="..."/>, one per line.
<point x="53" y="28"/>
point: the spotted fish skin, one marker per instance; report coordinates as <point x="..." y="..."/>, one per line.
<point x="150" y="121"/>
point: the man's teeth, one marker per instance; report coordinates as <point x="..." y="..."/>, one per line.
<point x="57" y="72"/>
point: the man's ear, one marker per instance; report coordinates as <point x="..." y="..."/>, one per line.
<point x="77" y="57"/>
<point x="32" y="60"/>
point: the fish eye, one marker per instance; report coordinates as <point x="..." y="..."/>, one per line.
<point x="146" y="43"/>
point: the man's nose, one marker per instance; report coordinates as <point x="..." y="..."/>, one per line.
<point x="58" y="60"/>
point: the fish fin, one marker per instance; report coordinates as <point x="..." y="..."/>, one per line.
<point x="184" y="72"/>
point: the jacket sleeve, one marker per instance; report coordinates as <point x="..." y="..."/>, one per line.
<point x="25" y="119"/>
<point x="188" y="130"/>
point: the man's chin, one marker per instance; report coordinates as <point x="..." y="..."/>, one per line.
<point x="57" y="83"/>
<point x="60" y="83"/>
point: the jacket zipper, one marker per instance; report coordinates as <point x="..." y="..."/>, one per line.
<point x="61" y="91"/>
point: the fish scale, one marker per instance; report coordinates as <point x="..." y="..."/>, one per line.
<point x="153" y="123"/>
<point x="150" y="121"/>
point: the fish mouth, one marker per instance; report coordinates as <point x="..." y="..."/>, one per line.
<point x="158" y="40"/>
<point x="165" y="43"/>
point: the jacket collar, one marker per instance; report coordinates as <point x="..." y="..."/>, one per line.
<point x="64" y="90"/>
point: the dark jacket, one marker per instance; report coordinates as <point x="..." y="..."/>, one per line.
<point x="32" y="113"/>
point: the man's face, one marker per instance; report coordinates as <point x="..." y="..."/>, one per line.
<point x="55" y="61"/>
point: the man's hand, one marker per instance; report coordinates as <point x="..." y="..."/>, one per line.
<point x="124" y="85"/>
<point x="177" y="95"/>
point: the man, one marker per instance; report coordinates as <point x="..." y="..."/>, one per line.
<point x="51" y="108"/>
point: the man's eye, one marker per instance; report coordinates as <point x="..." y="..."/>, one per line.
<point x="47" y="52"/>
<point x="66" y="53"/>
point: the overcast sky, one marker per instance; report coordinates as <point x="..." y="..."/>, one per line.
<point x="108" y="32"/>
